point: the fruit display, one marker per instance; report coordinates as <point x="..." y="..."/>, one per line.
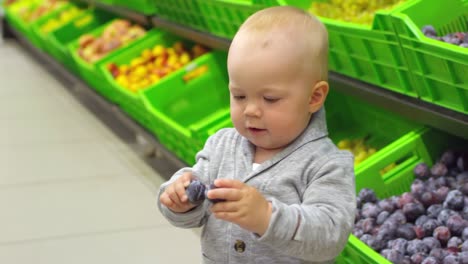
<point x="458" y="38"/>
<point x="358" y="147"/>
<point x="429" y="224"/>
<point x="360" y="12"/>
<point x="155" y="63"/>
<point x="64" y="17"/>
<point x="118" y="33"/>
<point x="32" y="13"/>
<point x="361" y="151"/>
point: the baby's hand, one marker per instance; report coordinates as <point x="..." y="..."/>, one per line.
<point x="244" y="205"/>
<point x="174" y="196"/>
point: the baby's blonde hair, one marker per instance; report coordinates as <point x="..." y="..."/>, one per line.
<point x="302" y="25"/>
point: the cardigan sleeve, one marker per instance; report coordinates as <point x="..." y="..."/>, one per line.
<point x="319" y="227"/>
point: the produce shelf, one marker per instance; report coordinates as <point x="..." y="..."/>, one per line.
<point x="138" y="138"/>
<point x="453" y="122"/>
<point x="118" y="10"/>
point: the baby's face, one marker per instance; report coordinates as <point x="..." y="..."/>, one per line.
<point x="270" y="93"/>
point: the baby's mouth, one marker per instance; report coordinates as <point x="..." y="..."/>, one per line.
<point x="256" y="130"/>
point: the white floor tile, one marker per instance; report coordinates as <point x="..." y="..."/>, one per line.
<point x="145" y="246"/>
<point x="62" y="162"/>
<point x="46" y="131"/>
<point x="99" y="204"/>
<point x="44" y="106"/>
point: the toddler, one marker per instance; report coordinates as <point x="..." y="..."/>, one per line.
<point x="286" y="193"/>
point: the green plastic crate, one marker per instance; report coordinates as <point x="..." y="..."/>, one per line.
<point x="131" y="102"/>
<point x="42" y="37"/>
<point x="224" y="17"/>
<point x="224" y="122"/>
<point x="370" y="54"/>
<point x="60" y="38"/>
<point x="181" y="110"/>
<point x="425" y="145"/>
<point x="351" y="118"/>
<point x="27" y="27"/>
<point x="14" y="20"/>
<point x="147" y="7"/>
<point x="90" y="71"/>
<point x="439" y="70"/>
<point x="184" y="12"/>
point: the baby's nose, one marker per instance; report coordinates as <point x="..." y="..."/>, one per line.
<point x="252" y="109"/>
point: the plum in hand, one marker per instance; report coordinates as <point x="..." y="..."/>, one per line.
<point x="196" y="192"/>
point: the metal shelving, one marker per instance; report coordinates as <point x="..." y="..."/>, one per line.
<point x="138" y="138"/>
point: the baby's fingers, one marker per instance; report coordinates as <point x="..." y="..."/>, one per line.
<point x="166" y="200"/>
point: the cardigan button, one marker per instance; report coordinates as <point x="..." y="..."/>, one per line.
<point x="239" y="246"/>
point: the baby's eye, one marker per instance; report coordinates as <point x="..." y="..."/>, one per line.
<point x="270" y="99"/>
<point x="238" y="97"/>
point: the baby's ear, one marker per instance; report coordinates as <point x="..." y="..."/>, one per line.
<point x="318" y="96"/>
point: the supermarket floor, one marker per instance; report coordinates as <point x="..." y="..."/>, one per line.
<point x="70" y="190"/>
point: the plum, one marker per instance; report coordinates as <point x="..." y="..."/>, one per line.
<point x="406" y="231"/>
<point x="442" y="233"/>
<point x="444" y="215"/>
<point x="422" y="171"/>
<point x="413" y="210"/>
<point x="449" y="158"/>
<point x="464" y="246"/>
<point x="430" y="260"/>
<point x="421" y="220"/>
<point x="418" y="258"/>
<point x="439" y="169"/>
<point x="367" y="196"/>
<point x="428" y="198"/>
<point x="441" y="193"/>
<point x="416" y="246"/>
<point x="434" y="210"/>
<point x="454" y="244"/>
<point x="456" y="224"/>
<point x="398" y="244"/>
<point x="404" y="199"/>
<point x="196" y="192"/>
<point x="397" y="216"/>
<point x="429" y="226"/>
<point x="438" y="253"/>
<point x="370" y="210"/>
<point x="455" y="200"/>
<point x="417" y="187"/>
<point x="376" y="243"/>
<point x="451" y="259"/>
<point x="431" y="242"/>
<point x="386" y="233"/>
<point x="465" y="233"/>
<point x="365" y="238"/>
<point x="429" y="30"/>
<point x="395" y="256"/>
<point x="386" y="205"/>
<point x="358" y="232"/>
<point x="463" y="257"/>
<point x="382" y="217"/>
<point x="368" y="225"/>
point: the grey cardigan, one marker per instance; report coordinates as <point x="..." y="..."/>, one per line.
<point x="310" y="185"/>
